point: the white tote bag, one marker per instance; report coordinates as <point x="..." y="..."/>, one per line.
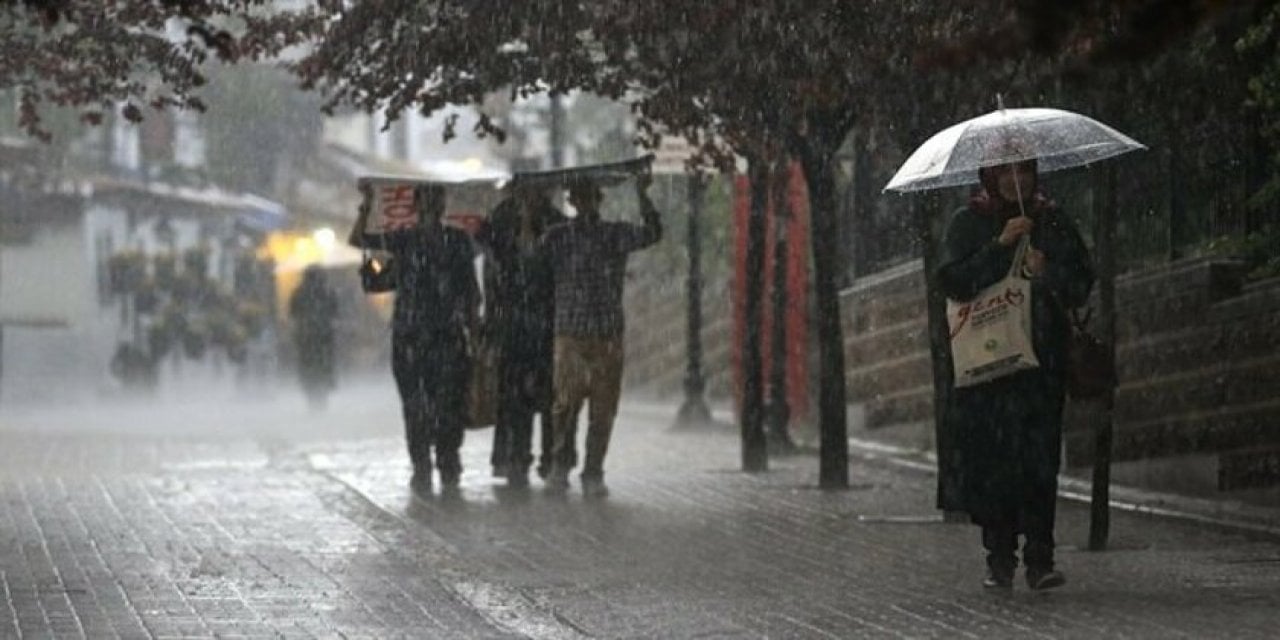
<point x="991" y="334"/>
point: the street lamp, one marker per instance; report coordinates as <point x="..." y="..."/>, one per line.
<point x="694" y="412"/>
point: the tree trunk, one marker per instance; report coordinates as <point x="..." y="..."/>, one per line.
<point x="755" y="456"/>
<point x="1105" y="250"/>
<point x="947" y="448"/>
<point x="817" y="150"/>
<point x="779" y="412"/>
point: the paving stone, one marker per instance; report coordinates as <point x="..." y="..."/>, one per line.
<point x="290" y="535"/>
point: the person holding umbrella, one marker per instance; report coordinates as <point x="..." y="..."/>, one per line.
<point x="588" y="260"/>
<point x="521" y="321"/>
<point x="436" y="309"/>
<point x="1010" y="429"/>
<point x="1009" y="244"/>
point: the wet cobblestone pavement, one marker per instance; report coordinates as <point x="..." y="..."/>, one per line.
<point x="268" y="522"/>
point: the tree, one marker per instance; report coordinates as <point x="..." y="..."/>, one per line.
<point x="730" y="100"/>
<point x="763" y="80"/>
<point x="1080" y="34"/>
<point x="256" y="120"/>
<point x="99" y="55"/>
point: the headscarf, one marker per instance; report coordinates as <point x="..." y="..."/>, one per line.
<point x="987" y="199"/>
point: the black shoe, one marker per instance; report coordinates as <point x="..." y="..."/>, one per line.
<point x="557" y="481"/>
<point x="998" y="580"/>
<point x="594" y="487"/>
<point x="450" y="477"/>
<point x="420" y="483"/>
<point x="518" y="479"/>
<point x="1041" y="580"/>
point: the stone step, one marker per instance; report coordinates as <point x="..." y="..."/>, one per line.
<point x="890" y="377"/>
<point x="906" y="407"/>
<point x="1227" y="429"/>
<point x="889" y="343"/>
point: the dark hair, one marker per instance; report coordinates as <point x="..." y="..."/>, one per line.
<point x="987" y="199"/>
<point x="987" y="175"/>
<point x="429" y="199"/>
<point x="430" y="192"/>
<point x="580" y="184"/>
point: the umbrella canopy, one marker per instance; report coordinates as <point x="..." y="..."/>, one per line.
<point x="1057" y="139"/>
<point x="606" y="174"/>
<point x="389" y="203"/>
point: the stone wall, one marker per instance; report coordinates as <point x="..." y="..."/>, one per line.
<point x="657" y="336"/>
<point x="1199" y="363"/>
<point x="887" y="355"/>
<point x="1198" y="407"/>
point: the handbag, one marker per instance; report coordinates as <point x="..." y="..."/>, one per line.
<point x="374" y="276"/>
<point x="1091" y="364"/>
<point x="991" y="334"/>
<point x="482" y="390"/>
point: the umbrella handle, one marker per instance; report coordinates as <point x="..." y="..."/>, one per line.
<point x="1017" y="267"/>
<point x="1017" y="188"/>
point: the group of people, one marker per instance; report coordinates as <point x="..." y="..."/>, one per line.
<point x="555" y="311"/>
<point x="553" y="308"/>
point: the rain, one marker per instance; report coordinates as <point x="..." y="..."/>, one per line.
<point x="601" y="319"/>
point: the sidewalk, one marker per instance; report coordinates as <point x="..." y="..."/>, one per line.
<point x="1256" y="517"/>
<point x="687" y="546"/>
<point x="278" y="536"/>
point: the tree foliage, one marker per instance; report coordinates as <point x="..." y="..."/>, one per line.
<point x="256" y="118"/>
<point x="99" y="55"/>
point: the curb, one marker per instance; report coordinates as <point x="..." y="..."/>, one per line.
<point x="1230" y="516"/>
<point x="1220" y="514"/>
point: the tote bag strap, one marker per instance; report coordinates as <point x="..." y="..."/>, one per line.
<point x="1019" y="256"/>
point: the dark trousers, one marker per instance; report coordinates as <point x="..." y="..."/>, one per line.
<point x="1011" y="434"/>
<point x="1029" y="507"/>
<point x="513" y="440"/>
<point x="524" y="391"/>
<point x="1031" y="514"/>
<point x="431" y="372"/>
<point x="1001" y="543"/>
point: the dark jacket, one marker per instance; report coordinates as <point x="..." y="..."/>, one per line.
<point x="973" y="260"/>
<point x="1009" y="431"/>
<point x="521" y="298"/>
<point x="434" y="278"/>
<point x="313" y="308"/>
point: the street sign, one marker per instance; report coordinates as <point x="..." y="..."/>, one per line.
<point x="671" y="155"/>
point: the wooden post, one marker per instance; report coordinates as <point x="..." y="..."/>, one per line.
<point x="694" y="412"/>
<point x="755" y="456"/>
<point x="779" y="412"/>
<point x="948" y="497"/>
<point x="1105" y="250"/>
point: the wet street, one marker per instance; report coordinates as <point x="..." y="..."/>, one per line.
<point x="237" y="518"/>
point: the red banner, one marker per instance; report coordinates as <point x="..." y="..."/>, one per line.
<point x="797" y="289"/>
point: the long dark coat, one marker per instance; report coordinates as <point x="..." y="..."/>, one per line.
<point x="1010" y="430"/>
<point x="313" y="309"/>
<point x="523" y="299"/>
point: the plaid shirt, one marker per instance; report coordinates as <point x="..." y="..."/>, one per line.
<point x="588" y="260"/>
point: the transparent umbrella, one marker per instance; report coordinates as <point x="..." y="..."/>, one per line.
<point x="1057" y="139"/>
